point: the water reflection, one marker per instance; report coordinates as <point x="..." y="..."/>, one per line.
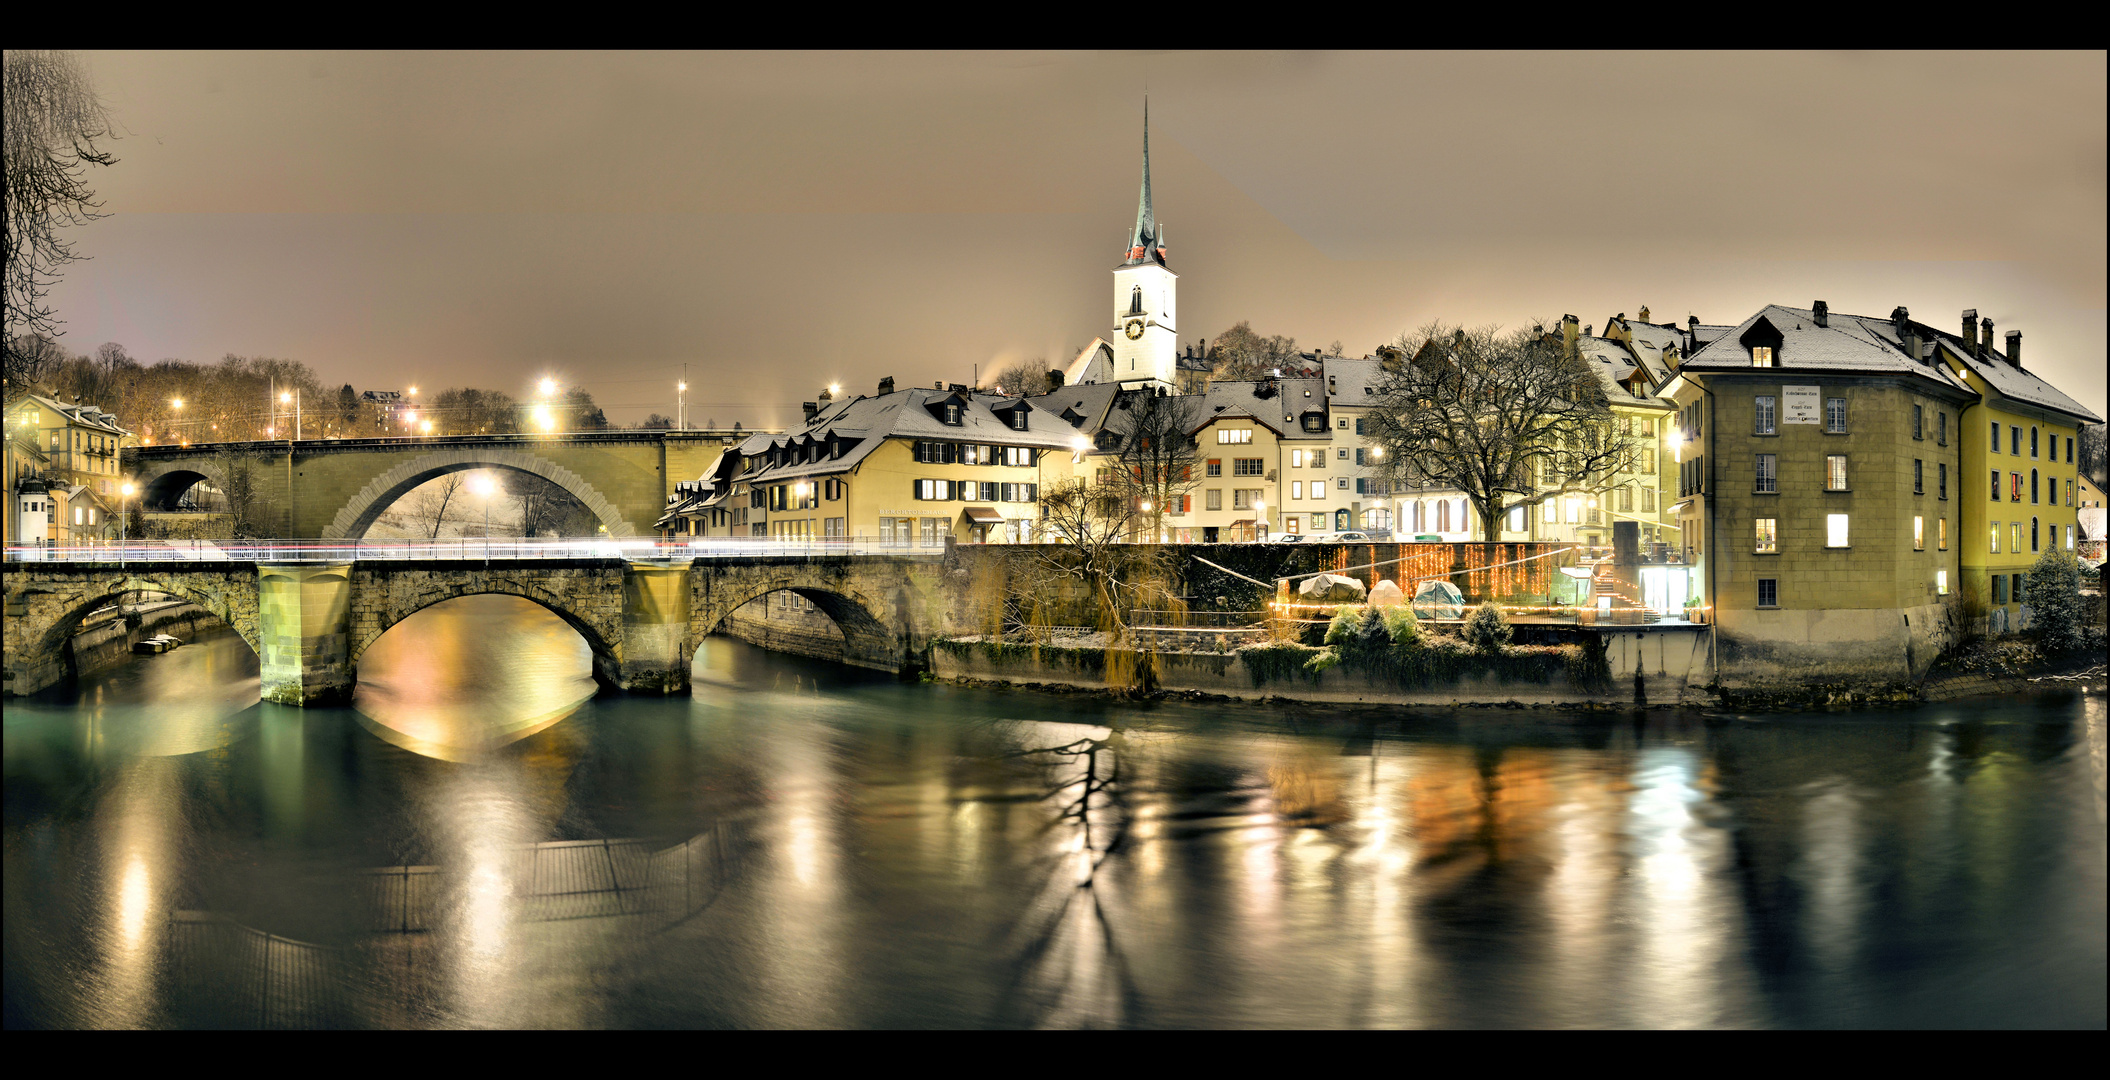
<point x="440" y="684"/>
<point x="799" y="844"/>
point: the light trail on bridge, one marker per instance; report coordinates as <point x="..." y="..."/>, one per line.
<point x="471" y="549"/>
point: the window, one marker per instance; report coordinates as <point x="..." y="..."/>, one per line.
<point x="1768" y="592"/>
<point x="1768" y="536"/>
<point x="1552" y="514"/>
<point x="1996" y="538"/>
<point x="2014" y="537"/>
<point x="1996" y="436"/>
<point x="2069" y="491"/>
<point x="1213" y="499"/>
<point x="934" y="489"/>
<point x="1941" y="429"/>
<point x="2069" y="538"/>
<point x="1626" y="499"/>
<point x="988" y="491"/>
<point x="2014" y="440"/>
<point x="1996" y="485"/>
<point x="1835" y="530"/>
<point x="1835" y="472"/>
<point x="1018" y="419"/>
<point x="2069" y="451"/>
<point x="1999" y="589"/>
<point x="1244" y="498"/>
<point x="1941" y="480"/>
<point x="1761" y="356"/>
<point x="1763" y="415"/>
<point x="1216" y="468"/>
<point x="1941" y="534"/>
<point x="1765" y="482"/>
<point x="1342" y="453"/>
<point x="1835" y="414"/>
<point x="1296" y="489"/>
<point x="2033" y="440"/>
<point x="1916" y="421"/>
<point x="1648" y="500"/>
<point x="952" y="414"/>
<point x="2034" y="533"/>
<point x="2015" y="487"/>
<point x="2020" y="581"/>
<point x="2033" y="486"/>
<point x="1296" y="459"/>
<point x="1247" y="466"/>
<point x="1516" y="521"/>
<point x="1918" y="471"/>
<point x="1231" y="436"/>
<point x="1941" y="582"/>
<point x="1919" y="533"/>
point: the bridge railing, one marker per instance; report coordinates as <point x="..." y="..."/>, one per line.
<point x="470" y="549"/>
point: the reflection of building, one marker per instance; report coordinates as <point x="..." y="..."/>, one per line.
<point x="63" y="459"/>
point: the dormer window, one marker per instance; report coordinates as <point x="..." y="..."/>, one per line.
<point x="1761" y="356"/>
<point x="1018" y="419"/>
<point x="952" y="414"/>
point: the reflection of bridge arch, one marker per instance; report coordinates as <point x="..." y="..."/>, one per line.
<point x="52" y="639"/>
<point x="602" y="631"/>
<point x="365" y="508"/>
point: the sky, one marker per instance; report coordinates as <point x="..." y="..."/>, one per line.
<point x="780" y="221"/>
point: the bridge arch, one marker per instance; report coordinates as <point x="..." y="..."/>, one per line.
<point x="602" y="634"/>
<point x="878" y="627"/>
<point x="53" y="637"/>
<point x="365" y="508"/>
<point x="162" y="484"/>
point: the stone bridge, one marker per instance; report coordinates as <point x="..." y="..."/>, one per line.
<point x="311" y="622"/>
<point x="336" y="488"/>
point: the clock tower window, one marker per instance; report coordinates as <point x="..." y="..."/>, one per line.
<point x="1135" y="300"/>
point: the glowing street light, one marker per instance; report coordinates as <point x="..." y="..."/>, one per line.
<point x="548" y="387"/>
<point x="544" y="419"/>
<point x="485" y="487"/>
<point x="426" y="427"/>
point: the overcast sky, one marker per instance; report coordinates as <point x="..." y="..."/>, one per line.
<point x="778" y="221"/>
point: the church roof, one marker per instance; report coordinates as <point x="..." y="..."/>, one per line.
<point x="1146" y="242"/>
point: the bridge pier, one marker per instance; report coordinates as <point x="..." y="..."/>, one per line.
<point x="654" y="658"/>
<point x="304" y="617"/>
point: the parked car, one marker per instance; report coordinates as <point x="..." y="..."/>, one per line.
<point x="1290" y="538"/>
<point x="1351" y="538"/>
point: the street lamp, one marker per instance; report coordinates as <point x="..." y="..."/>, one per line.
<point x="1259" y="517"/>
<point x="483" y="486"/>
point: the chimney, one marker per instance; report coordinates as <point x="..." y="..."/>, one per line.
<point x="1985" y="341"/>
<point x="2014" y="348"/>
<point x="826" y="395"/>
<point x="1970" y="327"/>
<point x="1821" y="313"/>
<point x="812" y="409"/>
<point x="1644" y="313"/>
<point x="886" y="386"/>
<point x="1568" y="328"/>
<point x="1908" y="334"/>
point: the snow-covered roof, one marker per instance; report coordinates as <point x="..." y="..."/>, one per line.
<point x="2019" y="384"/>
<point x="1849" y="343"/>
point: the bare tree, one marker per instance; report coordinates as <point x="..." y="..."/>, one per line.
<point x="1087" y="524"/>
<point x="547" y="508"/>
<point x="1239" y="353"/>
<point x="1160" y="461"/>
<point x="2091" y="453"/>
<point x="1022" y="377"/>
<point x="1505" y="418"/>
<point x="53" y="121"/>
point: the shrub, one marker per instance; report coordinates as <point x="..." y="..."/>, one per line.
<point x="1486" y="629"/>
<point x="2053" y="593"/>
<point x="1401" y="624"/>
<point x="1347" y="619"/>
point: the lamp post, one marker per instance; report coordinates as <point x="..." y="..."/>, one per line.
<point x="1259" y="518"/>
<point x="482" y="485"/>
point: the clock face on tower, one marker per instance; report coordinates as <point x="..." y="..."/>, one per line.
<point x="1135" y="329"/>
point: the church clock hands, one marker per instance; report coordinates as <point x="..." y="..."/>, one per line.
<point x="1135" y="329"/>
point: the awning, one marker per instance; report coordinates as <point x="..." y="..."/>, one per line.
<point x="1242" y="521"/>
<point x="983" y="515"/>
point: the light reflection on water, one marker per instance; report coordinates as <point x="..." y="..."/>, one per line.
<point x="902" y="854"/>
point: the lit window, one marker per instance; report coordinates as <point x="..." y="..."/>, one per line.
<point x="1768" y="536"/>
<point x="2069" y="538"/>
<point x="1996" y="538"/>
<point x="1996" y="485"/>
<point x="1835" y="530"/>
<point x="1228" y="436"/>
<point x="1941" y="534"/>
<point x="1941" y="582"/>
<point x="1835" y="472"/>
<point x="2014" y="487"/>
<point x="2014" y="537"/>
<point x="1296" y="489"/>
<point x="1761" y="356"/>
<point x="1919" y="533"/>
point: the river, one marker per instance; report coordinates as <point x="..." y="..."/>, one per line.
<point x="480" y="841"/>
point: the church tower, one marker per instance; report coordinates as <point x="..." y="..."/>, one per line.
<point x="1146" y="336"/>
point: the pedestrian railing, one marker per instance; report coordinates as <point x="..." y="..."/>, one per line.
<point x="463" y="550"/>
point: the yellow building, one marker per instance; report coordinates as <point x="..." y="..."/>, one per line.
<point x="905" y="468"/>
<point x="71" y="452"/>
<point x="2020" y="487"/>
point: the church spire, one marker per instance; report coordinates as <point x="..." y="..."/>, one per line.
<point x="1147" y="243"/>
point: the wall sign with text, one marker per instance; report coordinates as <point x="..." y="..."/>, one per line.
<point x="1801" y="405"/>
